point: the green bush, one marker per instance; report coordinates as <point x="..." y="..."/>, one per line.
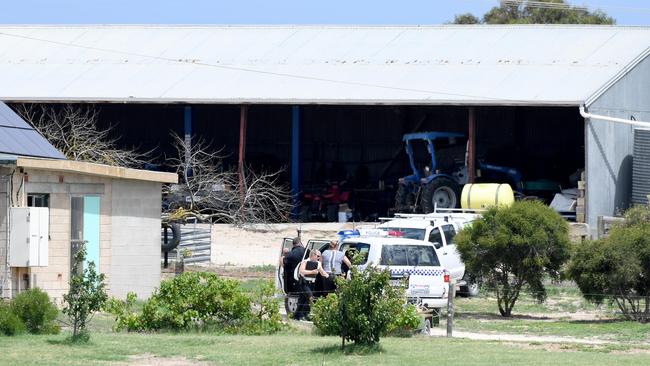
<point x="201" y="300"/>
<point x="515" y="247"/>
<point x="617" y="268"/>
<point x="364" y="309"/>
<point x="36" y="311"/>
<point x="405" y="322"/>
<point x="10" y="323"/>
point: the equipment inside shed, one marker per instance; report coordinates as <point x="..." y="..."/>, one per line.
<point x="353" y="156"/>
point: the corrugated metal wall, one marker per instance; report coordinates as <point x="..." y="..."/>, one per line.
<point x="610" y="145"/>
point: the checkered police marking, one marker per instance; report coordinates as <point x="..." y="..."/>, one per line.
<point x="422" y="272"/>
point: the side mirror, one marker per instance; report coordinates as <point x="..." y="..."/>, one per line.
<point x="437" y="245"/>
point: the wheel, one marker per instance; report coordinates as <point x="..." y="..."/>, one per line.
<point x="404" y="198"/>
<point x="441" y="192"/>
<point x="291" y="305"/>
<point x="305" y="214"/>
<point x="426" y="330"/>
<point x="469" y="290"/>
<point x="332" y="213"/>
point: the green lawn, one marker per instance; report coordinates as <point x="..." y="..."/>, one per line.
<point x="295" y="349"/>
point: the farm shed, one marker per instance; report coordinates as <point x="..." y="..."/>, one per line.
<point x="332" y="102"/>
<point x="49" y="206"/>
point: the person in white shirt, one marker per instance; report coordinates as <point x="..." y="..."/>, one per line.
<point x="332" y="260"/>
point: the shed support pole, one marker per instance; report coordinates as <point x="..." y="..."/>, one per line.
<point x="471" y="146"/>
<point x="243" y="125"/>
<point x="187" y="129"/>
<point x="295" y="158"/>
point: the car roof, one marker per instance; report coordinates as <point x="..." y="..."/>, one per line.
<point x="407" y="223"/>
<point x="386" y="241"/>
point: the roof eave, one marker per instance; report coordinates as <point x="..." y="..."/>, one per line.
<point x="82" y="167"/>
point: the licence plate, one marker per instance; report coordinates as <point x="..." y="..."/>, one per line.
<point x="419" y="289"/>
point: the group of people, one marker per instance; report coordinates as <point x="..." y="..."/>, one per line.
<point x="313" y="276"/>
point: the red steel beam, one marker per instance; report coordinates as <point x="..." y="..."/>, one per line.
<point x="243" y="125"/>
<point x="471" y="146"/>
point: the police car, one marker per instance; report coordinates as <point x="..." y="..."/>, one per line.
<point x="410" y="261"/>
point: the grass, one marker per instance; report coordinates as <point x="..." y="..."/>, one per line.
<point x="558" y="316"/>
<point x="303" y="349"/>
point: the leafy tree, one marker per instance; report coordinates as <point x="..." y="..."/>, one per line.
<point x="363" y="309"/>
<point x="526" y="12"/>
<point x="466" y="18"/>
<point x="513" y="248"/>
<point x="86" y="296"/>
<point x="617" y="267"/>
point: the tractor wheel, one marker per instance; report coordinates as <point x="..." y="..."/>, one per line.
<point x="442" y="193"/>
<point x="305" y="214"/>
<point x="404" y="199"/>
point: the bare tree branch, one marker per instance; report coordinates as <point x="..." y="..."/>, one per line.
<point x="214" y="193"/>
<point x="73" y="130"/>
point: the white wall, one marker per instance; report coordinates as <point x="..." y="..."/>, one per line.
<point x="135" y="243"/>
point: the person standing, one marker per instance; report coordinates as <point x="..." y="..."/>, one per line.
<point x="290" y="262"/>
<point x="309" y="269"/>
<point x="332" y="261"/>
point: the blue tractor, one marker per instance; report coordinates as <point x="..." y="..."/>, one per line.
<point x="430" y="187"/>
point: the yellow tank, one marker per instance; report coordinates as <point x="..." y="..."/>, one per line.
<point x="482" y="195"/>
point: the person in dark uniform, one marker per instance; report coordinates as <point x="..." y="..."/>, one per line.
<point x="290" y="262"/>
<point x="309" y="269"/>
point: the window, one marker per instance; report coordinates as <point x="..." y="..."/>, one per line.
<point x="450" y="233"/>
<point x="435" y="238"/>
<point x="408" y="233"/>
<point x="353" y="249"/>
<point x="408" y="255"/>
<point x="38" y="200"/>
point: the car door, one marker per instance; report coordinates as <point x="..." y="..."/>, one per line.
<point x="436" y="238"/>
<point x="287" y="243"/>
<point x="456" y="267"/>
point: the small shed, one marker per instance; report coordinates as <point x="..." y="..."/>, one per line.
<point x="49" y="206"/>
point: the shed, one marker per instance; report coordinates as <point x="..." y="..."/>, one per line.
<point x="49" y="206"/>
<point x="343" y="95"/>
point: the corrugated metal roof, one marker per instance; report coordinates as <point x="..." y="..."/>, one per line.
<point x="18" y="138"/>
<point x="532" y="64"/>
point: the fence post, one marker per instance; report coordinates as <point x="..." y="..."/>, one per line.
<point x="450" y="307"/>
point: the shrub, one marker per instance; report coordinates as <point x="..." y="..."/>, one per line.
<point x="87" y="295"/>
<point x="192" y="298"/>
<point x="512" y="248"/>
<point x="10" y="323"/>
<point x="36" y="311"/>
<point x="618" y="267"/>
<point x="364" y="309"/>
<point x="405" y="322"/>
<point x="202" y="300"/>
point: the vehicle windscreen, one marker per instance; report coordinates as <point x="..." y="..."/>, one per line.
<point x="407" y="233"/>
<point x="408" y="255"/>
<point x="357" y="253"/>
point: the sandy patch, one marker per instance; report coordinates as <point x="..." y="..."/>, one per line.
<point x="148" y="359"/>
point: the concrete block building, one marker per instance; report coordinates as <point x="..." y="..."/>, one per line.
<point x="49" y="206"/>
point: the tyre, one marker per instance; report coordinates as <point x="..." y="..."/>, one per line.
<point x="441" y="192"/>
<point x="291" y="305"/>
<point x="404" y="198"/>
<point x="333" y="213"/>
<point x="469" y="290"/>
<point x="426" y="329"/>
<point x="305" y="214"/>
